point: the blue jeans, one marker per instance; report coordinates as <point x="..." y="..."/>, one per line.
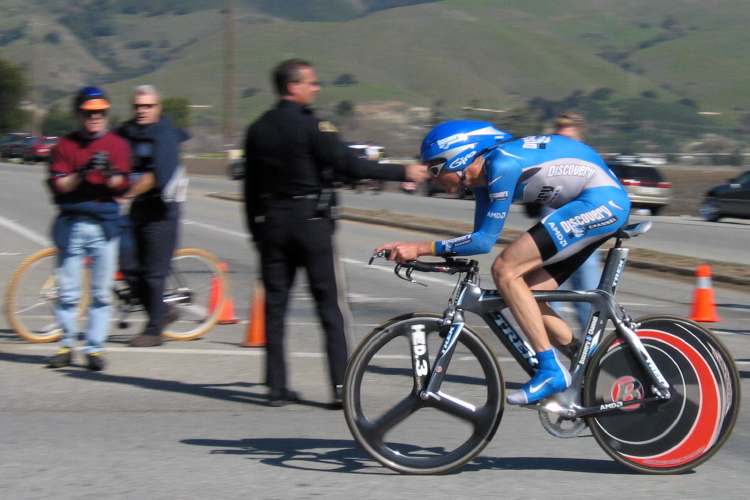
<point x="584" y="278"/>
<point x="87" y="240"/>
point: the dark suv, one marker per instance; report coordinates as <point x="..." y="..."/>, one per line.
<point x="645" y="184"/>
<point x="12" y="145"/>
<point x="728" y="200"/>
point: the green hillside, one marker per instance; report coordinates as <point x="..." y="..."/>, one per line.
<point x="496" y="54"/>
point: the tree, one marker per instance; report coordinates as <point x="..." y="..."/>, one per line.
<point x="13" y="88"/>
<point x="176" y="108"/>
<point x="58" y="122"/>
<point x="344" y="79"/>
<point x="345" y="109"/>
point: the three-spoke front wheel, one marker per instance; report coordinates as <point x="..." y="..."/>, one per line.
<point x="401" y="427"/>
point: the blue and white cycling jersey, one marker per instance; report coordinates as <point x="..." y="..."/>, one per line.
<point x="553" y="170"/>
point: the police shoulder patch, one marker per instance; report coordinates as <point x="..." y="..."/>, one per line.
<point x="326" y="126"/>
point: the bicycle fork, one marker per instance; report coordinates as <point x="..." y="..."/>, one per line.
<point x="427" y="381"/>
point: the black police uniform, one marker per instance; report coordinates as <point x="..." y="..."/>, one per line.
<point x="292" y="161"/>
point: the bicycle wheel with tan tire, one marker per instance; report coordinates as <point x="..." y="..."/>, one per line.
<point x="195" y="290"/>
<point x="30" y="298"/>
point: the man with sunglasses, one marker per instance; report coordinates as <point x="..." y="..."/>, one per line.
<point x="293" y="161"/>
<point x="88" y="173"/>
<point x="559" y="172"/>
<point x="159" y="185"/>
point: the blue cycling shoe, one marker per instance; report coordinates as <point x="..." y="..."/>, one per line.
<point x="551" y="377"/>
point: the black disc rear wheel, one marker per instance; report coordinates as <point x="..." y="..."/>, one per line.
<point x="674" y="435"/>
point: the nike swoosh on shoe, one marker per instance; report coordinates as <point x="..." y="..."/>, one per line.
<point x="535" y="388"/>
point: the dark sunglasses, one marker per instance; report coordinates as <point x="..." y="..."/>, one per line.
<point x="145" y="106"/>
<point x="88" y="113"/>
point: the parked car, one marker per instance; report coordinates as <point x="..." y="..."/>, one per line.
<point x="645" y="184"/>
<point x="236" y="169"/>
<point x="728" y="200"/>
<point x="12" y="144"/>
<point x="39" y="148"/>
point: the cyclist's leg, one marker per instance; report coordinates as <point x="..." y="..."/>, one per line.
<point x="508" y="271"/>
<point x="520" y="258"/>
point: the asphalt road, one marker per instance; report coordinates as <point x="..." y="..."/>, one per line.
<point x="188" y="419"/>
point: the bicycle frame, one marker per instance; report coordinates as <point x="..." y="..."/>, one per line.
<point x="490" y="306"/>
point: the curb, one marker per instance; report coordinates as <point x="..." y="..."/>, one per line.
<point x="730" y="274"/>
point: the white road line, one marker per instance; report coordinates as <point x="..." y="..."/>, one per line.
<point x="25" y="232"/>
<point x="240" y="234"/>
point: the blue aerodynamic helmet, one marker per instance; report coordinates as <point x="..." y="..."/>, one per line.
<point x="458" y="142"/>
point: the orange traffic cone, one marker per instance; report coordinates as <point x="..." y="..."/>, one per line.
<point x="215" y="296"/>
<point x="226" y="316"/>
<point x="704" y="305"/>
<point x="256" y="327"/>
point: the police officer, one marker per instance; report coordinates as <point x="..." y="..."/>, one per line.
<point x="293" y="159"/>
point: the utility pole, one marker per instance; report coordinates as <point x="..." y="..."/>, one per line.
<point x="36" y="111"/>
<point x="228" y="122"/>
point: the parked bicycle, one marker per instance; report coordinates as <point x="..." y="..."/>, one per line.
<point x="195" y="288"/>
<point x="424" y="392"/>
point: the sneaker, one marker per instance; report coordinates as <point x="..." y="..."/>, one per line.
<point x="95" y="361"/>
<point x="338" y="401"/>
<point x="281" y="397"/>
<point x="63" y="357"/>
<point x="551" y="377"/>
<point x="144" y="340"/>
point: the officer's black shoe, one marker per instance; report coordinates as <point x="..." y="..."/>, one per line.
<point x="281" y="397"/>
<point x="144" y="340"/>
<point x="95" y="361"/>
<point x="63" y="357"/>
<point x="338" y="402"/>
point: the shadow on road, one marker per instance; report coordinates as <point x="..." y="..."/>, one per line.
<point x="223" y="392"/>
<point x="337" y="455"/>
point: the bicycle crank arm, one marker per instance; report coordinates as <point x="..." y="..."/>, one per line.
<point x="578" y="411"/>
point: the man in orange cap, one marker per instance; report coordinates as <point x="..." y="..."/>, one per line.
<point x="88" y="172"/>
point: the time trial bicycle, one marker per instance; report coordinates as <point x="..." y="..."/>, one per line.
<point x="424" y="393"/>
<point x="195" y="289"/>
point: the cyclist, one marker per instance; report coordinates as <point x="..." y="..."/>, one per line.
<point x="559" y="172"/>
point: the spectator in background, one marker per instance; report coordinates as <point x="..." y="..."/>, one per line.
<point x="158" y="188"/>
<point x="88" y="172"/>
<point x="571" y="125"/>
<point x="293" y="160"/>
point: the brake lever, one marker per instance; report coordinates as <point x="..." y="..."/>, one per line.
<point x="407" y="275"/>
<point x="383" y="254"/>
